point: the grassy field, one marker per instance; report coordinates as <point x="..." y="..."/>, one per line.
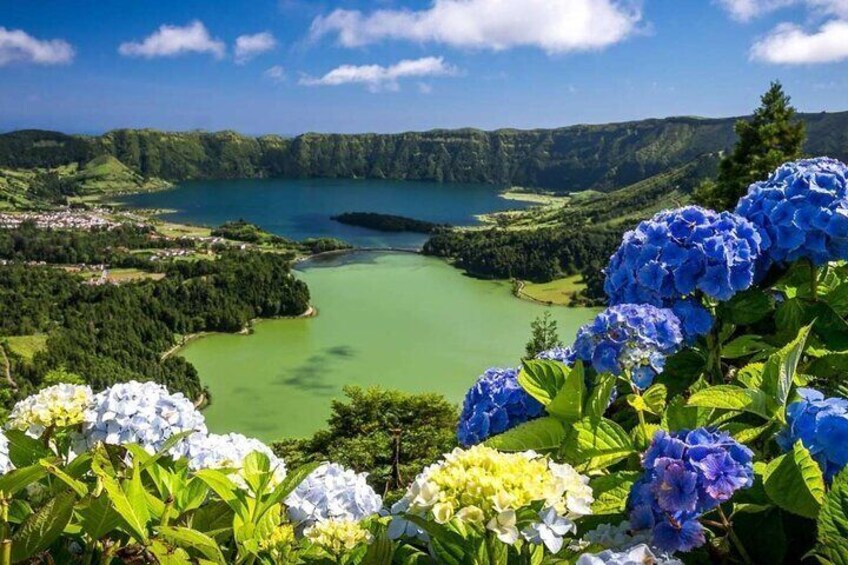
<point x="127" y="275"/>
<point x="557" y="292"/>
<point x="182" y="230"/>
<point x="26" y="345"/>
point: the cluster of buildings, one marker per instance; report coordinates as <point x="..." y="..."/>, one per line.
<point x="67" y="219"/>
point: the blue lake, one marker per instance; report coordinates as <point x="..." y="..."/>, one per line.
<point x="299" y="209"/>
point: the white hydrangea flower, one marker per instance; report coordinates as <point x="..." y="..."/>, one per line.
<point x="637" y="555"/>
<point x="142" y="413"/>
<point x="616" y="537"/>
<point x="578" y="493"/>
<point x="228" y="451"/>
<point x="56" y="406"/>
<point x="332" y="492"/>
<point x="549" y="530"/>
<point x="5" y="462"/>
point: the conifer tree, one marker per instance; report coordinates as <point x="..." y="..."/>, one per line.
<point x="544" y="336"/>
<point x="770" y="137"/>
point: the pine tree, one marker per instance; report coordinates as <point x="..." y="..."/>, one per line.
<point x="544" y="336"/>
<point x="771" y="137"/>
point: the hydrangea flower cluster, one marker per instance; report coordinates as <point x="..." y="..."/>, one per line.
<point x="821" y="424"/>
<point x="332" y="492"/>
<point x="637" y="555"/>
<point x="562" y="354"/>
<point x="630" y="339"/>
<point x="142" y="413"/>
<point x="616" y="536"/>
<point x="337" y="536"/>
<point x="56" y="406"/>
<point x="687" y="473"/>
<point x="481" y="485"/>
<point x="215" y="451"/>
<point x="802" y="210"/>
<point x="5" y="462"/>
<point x="493" y="405"/>
<point x="680" y="253"/>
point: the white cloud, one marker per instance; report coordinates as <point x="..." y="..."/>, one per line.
<point x="789" y="44"/>
<point x="170" y="41"/>
<point x="745" y="10"/>
<point x="18" y="46"/>
<point x="275" y="73"/>
<point x="556" y="26"/>
<point x="249" y="46"/>
<point x="377" y="77"/>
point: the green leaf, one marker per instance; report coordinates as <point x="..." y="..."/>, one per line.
<point x="745" y="433"/>
<point x="192" y="539"/>
<point x="78" y="486"/>
<point x="794" y="482"/>
<point x="166" y="555"/>
<point x="13" y="481"/>
<point x="542" y="379"/>
<point x="542" y="434"/>
<point x="679" y="416"/>
<point x="568" y="402"/>
<point x="596" y="444"/>
<point x="744" y="346"/>
<point x="654" y="399"/>
<point x="751" y="375"/>
<point x="380" y="551"/>
<point x="762" y="533"/>
<point x="833" y="520"/>
<point x="730" y="397"/>
<point x="131" y="516"/>
<point x="611" y="491"/>
<point x="216" y="516"/>
<point x="44" y="527"/>
<point x="98" y="518"/>
<point x="225" y="488"/>
<point x="452" y="545"/>
<point x="292" y="480"/>
<point x="779" y="370"/>
<point x="24" y="450"/>
<point x="747" y="307"/>
<point x="598" y="398"/>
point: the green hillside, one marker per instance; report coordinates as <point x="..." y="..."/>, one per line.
<point x="599" y="157"/>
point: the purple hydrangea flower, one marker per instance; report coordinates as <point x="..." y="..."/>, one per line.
<point x="684" y="255"/>
<point x="493" y="405"/>
<point x="629" y="338"/>
<point x="802" y="211"/>
<point x="687" y="473"/>
<point x="821" y="424"/>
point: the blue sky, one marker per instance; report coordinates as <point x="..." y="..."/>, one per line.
<point x="289" y="66"/>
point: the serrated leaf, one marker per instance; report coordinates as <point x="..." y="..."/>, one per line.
<point x="679" y="416"/>
<point x="542" y="434"/>
<point x="380" y="551"/>
<point x="597" y="444"/>
<point x="24" y="450"/>
<point x="567" y="404"/>
<point x="44" y="527"/>
<point x="654" y="398"/>
<point x="833" y="521"/>
<point x="779" y="369"/>
<point x="97" y="517"/>
<point x="542" y="379"/>
<point x="77" y="486"/>
<point x="751" y="375"/>
<point x="747" y="307"/>
<point x="598" y="398"/>
<point x="745" y="346"/>
<point x="122" y="505"/>
<point x="729" y="397"/>
<point x="15" y="480"/>
<point x="794" y="482"/>
<point x="611" y="491"/>
<point x="192" y="539"/>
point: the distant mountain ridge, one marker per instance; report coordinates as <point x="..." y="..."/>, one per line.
<point x="580" y="157"/>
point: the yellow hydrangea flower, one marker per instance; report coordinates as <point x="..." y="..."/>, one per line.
<point x="56" y="406"/>
<point x="337" y="536"/>
<point x="280" y="539"/>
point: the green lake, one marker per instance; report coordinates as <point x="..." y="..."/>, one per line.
<point x="396" y="320"/>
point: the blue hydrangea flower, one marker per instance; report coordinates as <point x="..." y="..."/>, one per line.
<point x="687" y="473"/>
<point x="142" y="413"/>
<point x="561" y="354"/>
<point x="822" y="426"/>
<point x="802" y="211"/>
<point x="685" y="253"/>
<point x="493" y="405"/>
<point x="332" y="492"/>
<point x="629" y="338"/>
<point x="635" y="555"/>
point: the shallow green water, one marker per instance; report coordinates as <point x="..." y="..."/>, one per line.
<point x="397" y="320"/>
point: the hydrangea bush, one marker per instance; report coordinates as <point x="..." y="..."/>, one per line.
<point x="702" y="418"/>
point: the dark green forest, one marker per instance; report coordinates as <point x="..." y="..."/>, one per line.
<point x="599" y="157"/>
<point x="111" y="333"/>
<point x="387" y="222"/>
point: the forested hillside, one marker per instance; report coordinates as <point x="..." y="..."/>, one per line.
<point x="599" y="157"/>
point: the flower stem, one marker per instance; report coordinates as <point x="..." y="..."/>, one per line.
<point x="814" y="281"/>
<point x="743" y="553"/>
